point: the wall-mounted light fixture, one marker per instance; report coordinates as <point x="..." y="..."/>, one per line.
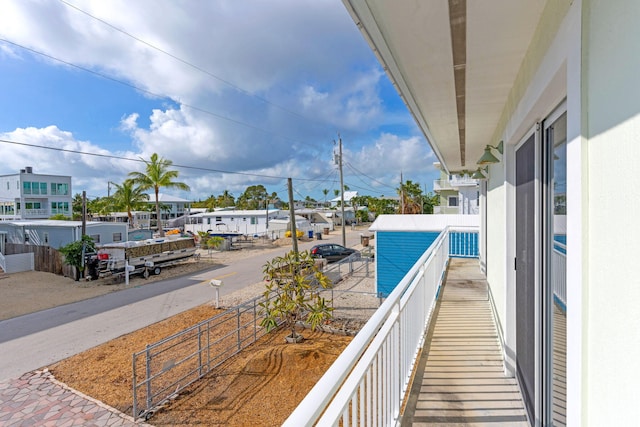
<point x="488" y="158"/>
<point x="479" y="175"/>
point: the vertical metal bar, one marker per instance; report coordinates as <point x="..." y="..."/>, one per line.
<point x="135" y="389"/>
<point x="148" y="374"/>
<point x="238" y="327"/>
<point x="199" y="350"/>
<point x="208" y="346"/>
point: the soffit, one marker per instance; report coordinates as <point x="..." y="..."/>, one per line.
<point x="413" y="41"/>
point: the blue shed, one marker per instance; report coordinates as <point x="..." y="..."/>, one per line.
<point x="402" y="239"/>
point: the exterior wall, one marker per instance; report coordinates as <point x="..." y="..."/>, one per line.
<point x="496" y="236"/>
<point x="396" y="253"/>
<point x="611" y="91"/>
<point x="59" y="235"/>
<point x="12" y="192"/>
<point x="246" y="222"/>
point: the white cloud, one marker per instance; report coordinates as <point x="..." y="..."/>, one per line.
<point x="306" y="57"/>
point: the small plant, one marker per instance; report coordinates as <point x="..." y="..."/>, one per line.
<point x="73" y="253"/>
<point x="214" y="242"/>
<point x="293" y="293"/>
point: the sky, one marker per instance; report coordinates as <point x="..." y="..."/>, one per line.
<point x="234" y="93"/>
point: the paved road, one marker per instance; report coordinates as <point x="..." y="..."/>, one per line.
<point x="36" y="340"/>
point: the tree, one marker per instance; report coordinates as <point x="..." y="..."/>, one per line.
<point x="226" y="199"/>
<point x="156" y="176"/>
<point x="410" y="197"/>
<point x="325" y="191"/>
<point x="129" y="197"/>
<point x="292" y="293"/>
<point x="430" y="200"/>
<point x="253" y="197"/>
<point x="74" y="251"/>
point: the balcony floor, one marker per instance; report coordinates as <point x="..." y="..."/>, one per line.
<point x="460" y="379"/>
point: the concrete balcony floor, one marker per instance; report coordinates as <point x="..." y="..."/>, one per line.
<point x="460" y="379"/>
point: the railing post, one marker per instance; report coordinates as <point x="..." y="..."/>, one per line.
<point x="238" y="328"/>
<point x="199" y="350"/>
<point x="148" y="374"/>
<point x="135" y="389"/>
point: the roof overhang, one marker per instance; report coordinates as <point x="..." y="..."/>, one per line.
<point x="454" y="63"/>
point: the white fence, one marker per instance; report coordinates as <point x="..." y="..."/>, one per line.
<point x="367" y="383"/>
<point x="17" y="262"/>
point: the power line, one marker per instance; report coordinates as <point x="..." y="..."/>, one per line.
<point x="196" y="67"/>
<point x="372" y="179"/>
<point x="157" y="95"/>
<point x="111" y="156"/>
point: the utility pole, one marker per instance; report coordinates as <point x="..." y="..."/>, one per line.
<point x="344" y="232"/>
<point x="84" y="212"/>
<point x="292" y="215"/>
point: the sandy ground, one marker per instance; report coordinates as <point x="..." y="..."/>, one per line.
<point x="31" y="291"/>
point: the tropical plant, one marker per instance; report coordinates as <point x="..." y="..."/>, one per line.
<point x="60" y="217"/>
<point x="74" y="252"/>
<point x="410" y="198"/>
<point x="129" y="197"/>
<point x="156" y="176"/>
<point x="292" y="294"/>
<point x="214" y="242"/>
<point x="325" y="191"/>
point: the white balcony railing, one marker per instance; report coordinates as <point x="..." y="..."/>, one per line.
<point x="559" y="272"/>
<point x="454" y="183"/>
<point x="367" y="383"/>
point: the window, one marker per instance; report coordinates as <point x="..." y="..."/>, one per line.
<point x="43" y="188"/>
<point x="117" y="237"/>
<point x="26" y="237"/>
<point x="60" y="208"/>
<point x="26" y="188"/>
<point x="453" y="201"/>
<point x="58" y="189"/>
<point x="218" y="219"/>
<point x="96" y="238"/>
<point x="254" y="220"/>
<point x="46" y="238"/>
<point x="35" y="188"/>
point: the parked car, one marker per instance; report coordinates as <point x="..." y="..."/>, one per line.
<point x="331" y="252"/>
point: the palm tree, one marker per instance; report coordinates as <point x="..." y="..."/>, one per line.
<point x="158" y="175"/>
<point x="325" y="192"/>
<point x="129" y="197"/>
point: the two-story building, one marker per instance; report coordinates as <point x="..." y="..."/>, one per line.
<point x="28" y="195"/>
<point x="459" y="193"/>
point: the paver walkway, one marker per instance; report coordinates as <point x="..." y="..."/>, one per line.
<point x="461" y="380"/>
<point x="37" y="399"/>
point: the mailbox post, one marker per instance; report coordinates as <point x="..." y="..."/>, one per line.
<point x="216" y="284"/>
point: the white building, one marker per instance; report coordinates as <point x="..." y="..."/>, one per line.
<point x="248" y="222"/>
<point x="557" y="84"/>
<point x="170" y="207"/>
<point x="27" y="195"/>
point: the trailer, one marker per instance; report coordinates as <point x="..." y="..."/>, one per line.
<point x="144" y="257"/>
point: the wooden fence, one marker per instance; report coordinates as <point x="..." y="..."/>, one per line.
<point x="45" y="258"/>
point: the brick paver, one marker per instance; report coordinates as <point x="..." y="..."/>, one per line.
<point x="37" y="399"/>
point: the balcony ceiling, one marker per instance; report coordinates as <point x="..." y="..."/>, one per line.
<point x="453" y="62"/>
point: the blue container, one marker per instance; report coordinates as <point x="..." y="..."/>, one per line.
<point x="311" y="234"/>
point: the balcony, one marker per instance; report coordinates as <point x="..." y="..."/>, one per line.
<point x="450" y="210"/>
<point x="451" y="374"/>
<point x="32" y="213"/>
<point x="454" y="183"/>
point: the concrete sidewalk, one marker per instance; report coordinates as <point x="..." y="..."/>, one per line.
<point x="37" y="399"/>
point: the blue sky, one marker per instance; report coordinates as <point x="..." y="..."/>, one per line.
<point x="256" y="87"/>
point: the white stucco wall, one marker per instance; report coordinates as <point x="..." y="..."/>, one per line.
<point x="496" y="237"/>
<point x="612" y="88"/>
